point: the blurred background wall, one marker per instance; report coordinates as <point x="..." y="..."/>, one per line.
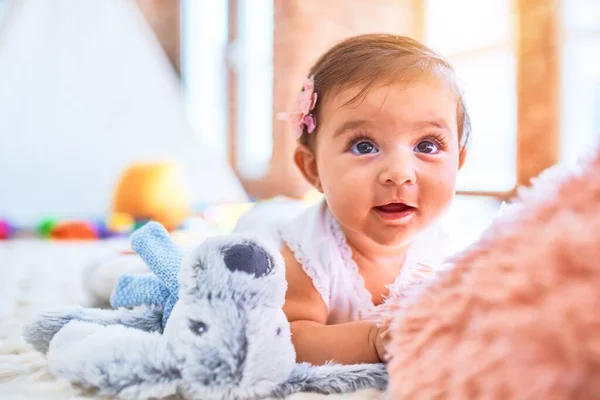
<point x="88" y="87"/>
<point x="530" y="69"/>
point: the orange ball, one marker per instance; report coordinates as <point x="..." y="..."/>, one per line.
<point x="74" y="231"/>
<point x="153" y="191"/>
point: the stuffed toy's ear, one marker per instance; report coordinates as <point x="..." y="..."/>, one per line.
<point x="115" y="360"/>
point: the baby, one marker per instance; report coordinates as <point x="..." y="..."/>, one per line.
<point x="382" y="131"/>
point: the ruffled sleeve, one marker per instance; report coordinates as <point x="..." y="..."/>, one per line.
<point x="306" y="238"/>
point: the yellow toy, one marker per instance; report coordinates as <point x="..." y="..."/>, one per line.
<point x="153" y="191"/>
<point x="120" y="223"/>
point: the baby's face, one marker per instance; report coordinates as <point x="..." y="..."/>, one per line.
<point x="388" y="165"/>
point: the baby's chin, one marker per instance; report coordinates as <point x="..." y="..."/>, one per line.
<point x="381" y="233"/>
<point x="393" y="237"/>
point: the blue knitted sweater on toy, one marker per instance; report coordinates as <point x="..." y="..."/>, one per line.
<point x="153" y="244"/>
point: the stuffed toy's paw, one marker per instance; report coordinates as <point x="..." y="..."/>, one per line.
<point x="119" y="361"/>
<point x="40" y="332"/>
<point x="42" y="329"/>
<point x="71" y="335"/>
<point x="333" y="378"/>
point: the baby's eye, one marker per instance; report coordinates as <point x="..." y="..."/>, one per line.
<point x="427" y="147"/>
<point x="363" y="147"/>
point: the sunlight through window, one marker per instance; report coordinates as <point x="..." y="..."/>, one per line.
<point x="580" y="103"/>
<point x="476" y="37"/>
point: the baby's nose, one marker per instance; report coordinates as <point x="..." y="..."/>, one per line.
<point x="398" y="171"/>
<point x="249" y="258"/>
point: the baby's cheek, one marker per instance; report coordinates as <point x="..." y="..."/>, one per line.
<point x="346" y="182"/>
<point x="439" y="194"/>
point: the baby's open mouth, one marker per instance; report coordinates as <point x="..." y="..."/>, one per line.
<point x="394" y="208"/>
<point x="396" y="213"/>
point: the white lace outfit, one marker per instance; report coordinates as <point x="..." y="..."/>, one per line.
<point x="318" y="243"/>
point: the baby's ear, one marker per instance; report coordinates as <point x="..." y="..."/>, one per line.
<point x="462" y="156"/>
<point x="307" y="164"/>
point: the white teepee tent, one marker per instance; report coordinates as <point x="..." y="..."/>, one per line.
<point x="85" y="90"/>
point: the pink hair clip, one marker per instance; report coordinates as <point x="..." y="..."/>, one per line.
<point x="305" y="102"/>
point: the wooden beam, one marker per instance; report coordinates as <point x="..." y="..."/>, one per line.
<point x="232" y="35"/>
<point x="163" y="16"/>
<point x="420" y="20"/>
<point x="504" y="196"/>
<point x="538" y="83"/>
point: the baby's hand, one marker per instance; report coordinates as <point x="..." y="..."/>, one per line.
<point x="381" y="340"/>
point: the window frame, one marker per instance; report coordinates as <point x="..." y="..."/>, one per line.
<point x="531" y="159"/>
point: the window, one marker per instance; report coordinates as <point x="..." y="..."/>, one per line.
<point x="476" y="36"/>
<point x="3" y="9"/>
<point x="228" y="78"/>
<point x="204" y="28"/>
<point x="580" y="102"/>
<point x="253" y="67"/>
<point x="232" y="43"/>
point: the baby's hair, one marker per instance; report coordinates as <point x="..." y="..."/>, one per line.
<point x="372" y="58"/>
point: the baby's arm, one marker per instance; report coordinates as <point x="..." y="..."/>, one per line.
<point x="314" y="341"/>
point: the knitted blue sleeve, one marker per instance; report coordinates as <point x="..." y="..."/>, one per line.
<point x="153" y="244"/>
<point x="132" y="291"/>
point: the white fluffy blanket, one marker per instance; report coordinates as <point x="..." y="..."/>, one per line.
<point x="36" y="274"/>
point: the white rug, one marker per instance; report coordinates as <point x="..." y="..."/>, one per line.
<point x="37" y="274"/>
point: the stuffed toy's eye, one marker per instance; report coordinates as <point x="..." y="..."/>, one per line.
<point x="198" y="327"/>
<point x="278" y="331"/>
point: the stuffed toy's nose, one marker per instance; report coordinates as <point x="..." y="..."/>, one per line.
<point x="249" y="258"/>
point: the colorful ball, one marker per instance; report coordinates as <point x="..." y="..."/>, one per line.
<point x="120" y="223"/>
<point x="139" y="223"/>
<point x="101" y="229"/>
<point x="45" y="227"/>
<point x="74" y="230"/>
<point x="6" y="230"/>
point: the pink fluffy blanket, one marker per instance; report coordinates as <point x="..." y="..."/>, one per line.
<point x="518" y="315"/>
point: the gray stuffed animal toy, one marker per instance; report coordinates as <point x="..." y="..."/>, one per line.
<point x="226" y="337"/>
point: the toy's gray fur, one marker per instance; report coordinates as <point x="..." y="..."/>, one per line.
<point x="332" y="378"/>
<point x="40" y="332"/>
<point x="227" y="337"/>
